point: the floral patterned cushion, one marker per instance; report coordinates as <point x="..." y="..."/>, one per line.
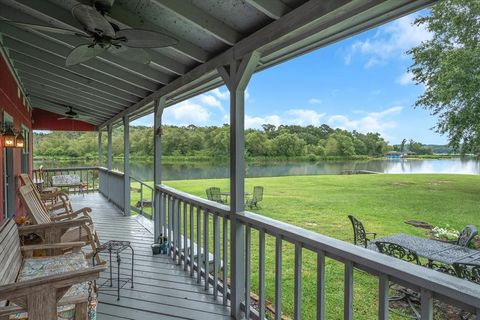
<point x="45" y="266"/>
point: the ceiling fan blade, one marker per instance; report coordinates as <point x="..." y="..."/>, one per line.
<point x="92" y="20"/>
<point x="64" y="118"/>
<point x="137" y="38"/>
<point x="42" y="28"/>
<point x="82" y="53"/>
<point x="136" y="55"/>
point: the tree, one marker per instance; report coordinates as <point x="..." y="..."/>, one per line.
<point x="449" y="67"/>
<point x="402" y="145"/>
<point x="288" y="145"/>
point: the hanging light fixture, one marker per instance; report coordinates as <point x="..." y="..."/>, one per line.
<point x="9" y="138"/>
<point x="19" y="141"/>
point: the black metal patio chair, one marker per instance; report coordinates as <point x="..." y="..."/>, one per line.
<point x="467" y="271"/>
<point x="467" y="235"/>
<point x="360" y="236"/>
<point x="411" y="298"/>
<point x="257" y="196"/>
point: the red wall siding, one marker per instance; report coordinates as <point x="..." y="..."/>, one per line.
<point x="45" y="120"/>
<point x="13" y="105"/>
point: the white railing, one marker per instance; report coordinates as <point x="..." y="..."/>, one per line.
<point x="111" y="186"/>
<point x="186" y="221"/>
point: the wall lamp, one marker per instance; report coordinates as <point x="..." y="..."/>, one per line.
<point x="12" y="139"/>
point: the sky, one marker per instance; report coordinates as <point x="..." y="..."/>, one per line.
<point x="360" y="83"/>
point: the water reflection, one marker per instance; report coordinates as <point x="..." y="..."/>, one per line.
<point x="144" y="170"/>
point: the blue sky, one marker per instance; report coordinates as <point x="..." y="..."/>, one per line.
<point x="357" y="84"/>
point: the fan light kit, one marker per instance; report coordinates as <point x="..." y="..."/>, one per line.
<point x="104" y="35"/>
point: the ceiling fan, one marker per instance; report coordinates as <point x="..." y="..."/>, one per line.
<point x="104" y="35"/>
<point x="72" y="115"/>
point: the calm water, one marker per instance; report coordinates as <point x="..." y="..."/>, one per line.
<point x="144" y="170"/>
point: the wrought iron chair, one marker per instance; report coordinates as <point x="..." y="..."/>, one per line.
<point x="467" y="271"/>
<point x="467" y="234"/>
<point x="411" y="297"/>
<point x="213" y="193"/>
<point x="257" y="196"/>
<point x="360" y="236"/>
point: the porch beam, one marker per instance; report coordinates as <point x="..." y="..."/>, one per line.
<point x="56" y="74"/>
<point x="183" y="47"/>
<point x="159" y="220"/>
<point x="202" y="20"/>
<point x="236" y="76"/>
<point x="126" y="165"/>
<point x="275" y="9"/>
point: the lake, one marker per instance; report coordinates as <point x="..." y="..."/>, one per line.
<point x="184" y="171"/>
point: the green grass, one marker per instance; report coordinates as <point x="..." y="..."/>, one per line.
<point x="322" y="203"/>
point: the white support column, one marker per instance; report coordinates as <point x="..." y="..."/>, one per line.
<point x="109" y="157"/>
<point x="236" y="77"/>
<point x="100" y="149"/>
<point x="126" y="165"/>
<point x="159" y="220"/>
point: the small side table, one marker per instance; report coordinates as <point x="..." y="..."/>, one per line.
<point x="115" y="247"/>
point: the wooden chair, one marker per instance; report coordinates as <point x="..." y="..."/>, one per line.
<point x="59" y="200"/>
<point x="38" y="215"/>
<point x="360" y="236"/>
<point x="257" y="196"/>
<point x="213" y="193"/>
<point x="38" y="286"/>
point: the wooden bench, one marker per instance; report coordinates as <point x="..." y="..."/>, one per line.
<point x="40" y="285"/>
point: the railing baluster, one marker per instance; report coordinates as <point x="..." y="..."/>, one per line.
<point x="348" y="293"/>
<point x="191" y="249"/>
<point x="141" y="198"/>
<point x="216" y="254"/>
<point x="247" y="270"/>
<point x="383" y="285"/>
<point x="185" y="236"/>
<point x="321" y="285"/>
<point x="278" y="278"/>
<point x="199" y="248"/>
<point x="298" y="282"/>
<point x="261" y="274"/>
<point x="225" y="260"/>
<point x="169" y="223"/>
<point x="178" y="231"/>
<point x="163" y="217"/>
<point x="426" y="301"/>
<point x="206" y="223"/>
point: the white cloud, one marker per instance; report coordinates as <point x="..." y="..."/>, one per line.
<point x="372" y="122"/>
<point x="257" y="122"/>
<point x="406" y="79"/>
<point x="211" y="101"/>
<point x="222" y="95"/>
<point x="185" y="113"/>
<point x="390" y="41"/>
<point x="314" y="101"/>
<point x="304" y="117"/>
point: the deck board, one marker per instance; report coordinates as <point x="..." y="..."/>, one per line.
<point x="162" y="290"/>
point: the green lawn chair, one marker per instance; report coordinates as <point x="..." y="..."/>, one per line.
<point x="213" y="193"/>
<point x="257" y="196"/>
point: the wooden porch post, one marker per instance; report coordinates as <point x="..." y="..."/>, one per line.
<point x="126" y="165"/>
<point x="236" y="77"/>
<point x="100" y="150"/>
<point x="109" y="157"/>
<point x="159" y="220"/>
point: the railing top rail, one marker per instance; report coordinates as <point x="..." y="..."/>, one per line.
<point x="444" y="285"/>
<point x="211" y="206"/>
<point x="141" y="182"/>
<point x="68" y="169"/>
<point x="115" y="172"/>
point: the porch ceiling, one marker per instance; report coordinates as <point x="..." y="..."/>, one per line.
<point x="210" y="34"/>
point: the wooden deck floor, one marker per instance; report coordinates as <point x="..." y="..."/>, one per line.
<point x="161" y="289"/>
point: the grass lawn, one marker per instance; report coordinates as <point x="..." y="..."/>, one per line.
<point x="322" y="203"/>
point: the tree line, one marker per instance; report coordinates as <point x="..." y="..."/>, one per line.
<point x="270" y="141"/>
